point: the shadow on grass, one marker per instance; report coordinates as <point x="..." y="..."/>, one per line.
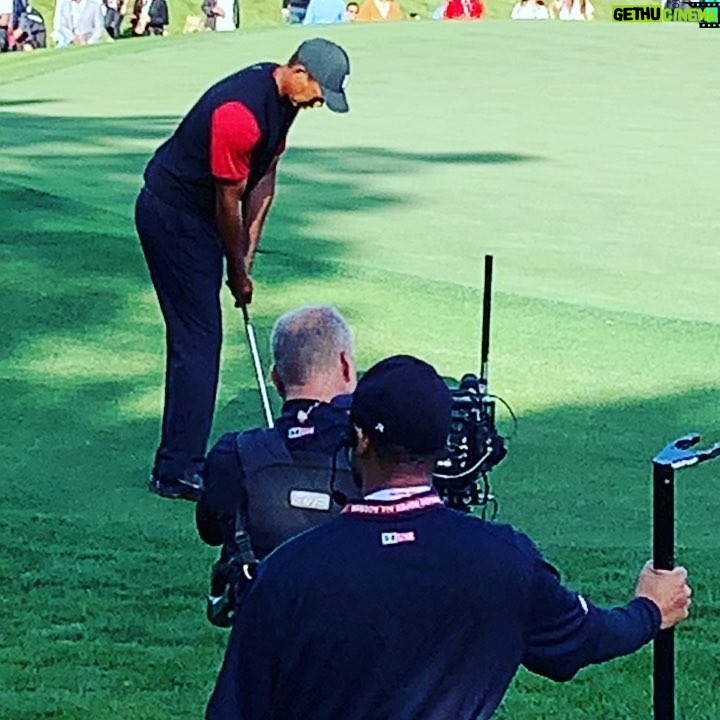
<point x="67" y="222"/>
<point x="20" y="103"/>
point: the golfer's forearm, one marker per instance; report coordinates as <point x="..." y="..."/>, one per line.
<point x="232" y="233"/>
<point x="255" y="210"/>
<point x="230" y="225"/>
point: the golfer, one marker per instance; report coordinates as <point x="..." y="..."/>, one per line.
<point x="207" y="193"/>
<point x="404" y="609"/>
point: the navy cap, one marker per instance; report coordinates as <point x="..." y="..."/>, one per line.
<point x="403" y="401"/>
<point x="329" y="64"/>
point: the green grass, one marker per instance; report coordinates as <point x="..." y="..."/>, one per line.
<point x="577" y="154"/>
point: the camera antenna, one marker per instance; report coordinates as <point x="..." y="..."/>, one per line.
<point x="485" y="336"/>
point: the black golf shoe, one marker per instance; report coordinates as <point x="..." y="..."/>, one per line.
<point x="186" y="487"/>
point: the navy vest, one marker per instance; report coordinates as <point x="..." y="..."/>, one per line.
<point x="286" y="491"/>
<point x="179" y="173"/>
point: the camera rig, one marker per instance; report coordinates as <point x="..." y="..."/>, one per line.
<point x="474" y="445"/>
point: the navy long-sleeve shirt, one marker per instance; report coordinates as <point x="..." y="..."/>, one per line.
<point x="424" y="614"/>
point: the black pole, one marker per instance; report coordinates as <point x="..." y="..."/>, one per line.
<point x="664" y="559"/>
<point x="485" y="338"/>
<point x="675" y="456"/>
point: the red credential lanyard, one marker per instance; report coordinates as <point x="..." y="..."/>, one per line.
<point x="393" y="508"/>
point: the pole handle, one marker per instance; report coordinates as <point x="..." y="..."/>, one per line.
<point x="664" y="559"/>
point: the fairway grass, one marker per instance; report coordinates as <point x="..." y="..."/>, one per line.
<point x="580" y="155"/>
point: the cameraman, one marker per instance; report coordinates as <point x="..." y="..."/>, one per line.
<point x="403" y="608"/>
<point x="275" y="483"/>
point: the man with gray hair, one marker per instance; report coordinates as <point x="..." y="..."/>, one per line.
<point x="273" y="483"/>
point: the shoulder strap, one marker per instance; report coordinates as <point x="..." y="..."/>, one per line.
<point x="259" y="448"/>
<point x="254" y="450"/>
<point x="243" y="547"/>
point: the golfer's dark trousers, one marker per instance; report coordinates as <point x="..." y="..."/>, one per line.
<point x="185" y="259"/>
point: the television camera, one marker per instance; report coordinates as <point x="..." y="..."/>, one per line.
<point x="474" y="444"/>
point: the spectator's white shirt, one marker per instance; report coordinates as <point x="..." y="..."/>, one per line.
<point x="83" y="19"/>
<point x="522" y="12"/>
<point x="529" y="11"/>
<point x="227" y="22"/>
<point x="6" y="7"/>
<point x="144" y="18"/>
<point x="575" y="13"/>
<point x="76" y="11"/>
<point x="56" y="19"/>
<point x="383" y="7"/>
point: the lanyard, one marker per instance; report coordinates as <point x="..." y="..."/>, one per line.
<point x="416" y="503"/>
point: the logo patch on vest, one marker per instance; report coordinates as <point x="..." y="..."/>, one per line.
<point x="298" y="432"/>
<point x="395" y="538"/>
<point x="309" y="500"/>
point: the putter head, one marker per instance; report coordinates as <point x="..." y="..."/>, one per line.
<point x="678" y="453"/>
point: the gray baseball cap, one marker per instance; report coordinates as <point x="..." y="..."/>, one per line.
<point x="329" y="64"/>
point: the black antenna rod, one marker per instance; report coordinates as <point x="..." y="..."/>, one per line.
<point x="485" y="341"/>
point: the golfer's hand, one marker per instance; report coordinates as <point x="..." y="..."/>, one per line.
<point x="669" y="590"/>
<point x="240" y="285"/>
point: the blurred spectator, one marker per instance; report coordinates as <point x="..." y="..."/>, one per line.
<point x="351" y="11"/>
<point x="55" y="34"/>
<point x="6" y="11"/>
<point x="78" y="22"/>
<point x="149" y="17"/>
<point x="194" y="24"/>
<point x="221" y="15"/>
<point x="115" y="10"/>
<point x="572" y="10"/>
<point x="324" y="12"/>
<point x="463" y="10"/>
<point x="379" y="10"/>
<point x="293" y="11"/>
<point x="28" y="27"/>
<point x="530" y="10"/>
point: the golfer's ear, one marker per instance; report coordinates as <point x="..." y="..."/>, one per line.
<point x="277" y="382"/>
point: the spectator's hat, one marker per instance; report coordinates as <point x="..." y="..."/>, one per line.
<point x="403" y="402"/>
<point x="329" y="64"/>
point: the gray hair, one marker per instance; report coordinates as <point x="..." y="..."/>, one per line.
<point x="307" y="341"/>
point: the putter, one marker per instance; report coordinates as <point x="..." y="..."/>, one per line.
<point x="250" y="332"/>
<point x="676" y="455"/>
